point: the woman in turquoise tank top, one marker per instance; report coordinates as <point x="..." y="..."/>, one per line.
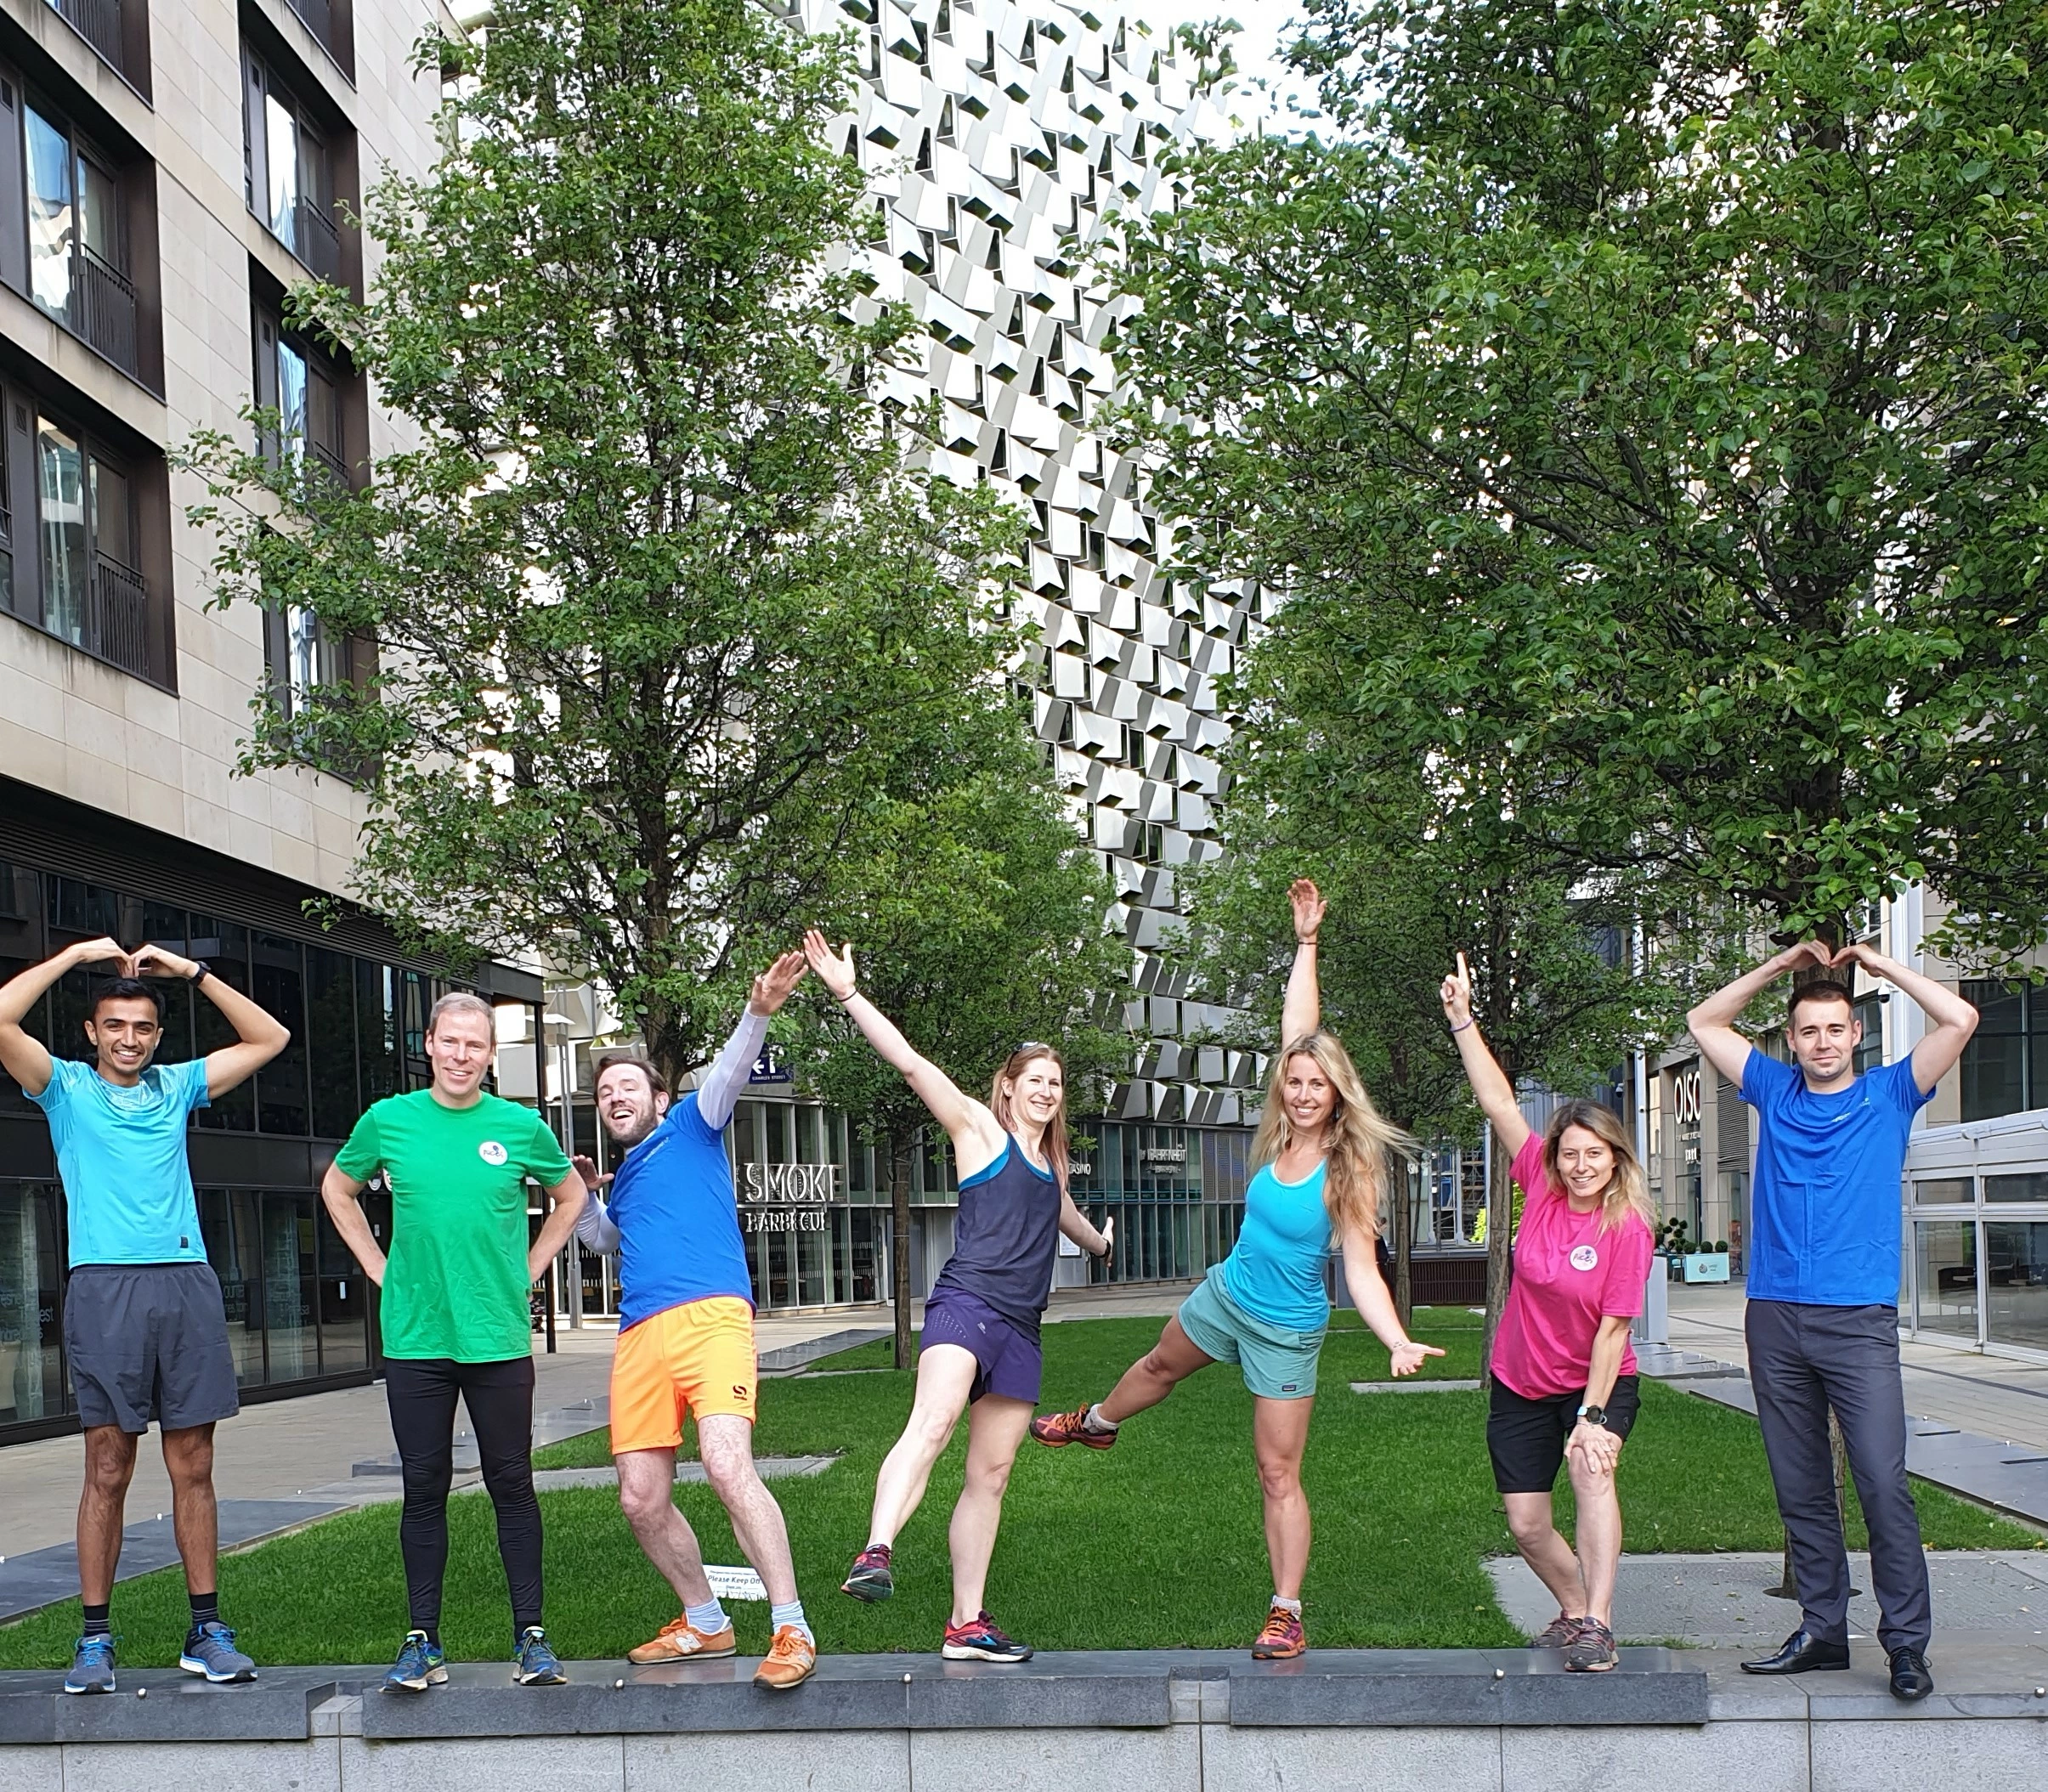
<point x="1322" y="1150"/>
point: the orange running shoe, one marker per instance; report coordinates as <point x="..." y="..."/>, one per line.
<point x="1056" y="1428"/>
<point x="682" y="1641"/>
<point x="789" y="1660"/>
<point x="1282" y="1638"/>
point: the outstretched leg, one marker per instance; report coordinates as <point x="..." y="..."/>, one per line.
<point x="725" y="1444"/>
<point x="945" y="1377"/>
<point x="1155" y="1375"/>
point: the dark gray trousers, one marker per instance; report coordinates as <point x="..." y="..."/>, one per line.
<point x="1804" y="1360"/>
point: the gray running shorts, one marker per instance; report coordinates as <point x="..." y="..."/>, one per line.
<point x="149" y="1341"/>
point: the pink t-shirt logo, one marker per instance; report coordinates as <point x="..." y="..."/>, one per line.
<point x="1584" y="1257"/>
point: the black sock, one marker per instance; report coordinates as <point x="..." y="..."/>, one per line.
<point x="96" y="1624"/>
<point x="433" y="1634"/>
<point x="206" y="1609"/>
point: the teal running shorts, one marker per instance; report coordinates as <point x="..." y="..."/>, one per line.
<point x="1279" y="1363"/>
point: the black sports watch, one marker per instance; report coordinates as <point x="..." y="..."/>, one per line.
<point x="201" y="971"/>
<point x="1594" y="1415"/>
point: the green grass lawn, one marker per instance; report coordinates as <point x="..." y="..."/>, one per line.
<point x="1156" y="1543"/>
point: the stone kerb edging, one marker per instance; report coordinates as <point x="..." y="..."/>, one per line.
<point x="1134" y="1690"/>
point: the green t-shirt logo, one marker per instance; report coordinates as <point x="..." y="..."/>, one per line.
<point x="492" y="1151"/>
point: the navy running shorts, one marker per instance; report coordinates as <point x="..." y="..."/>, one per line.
<point x="1007" y="1359"/>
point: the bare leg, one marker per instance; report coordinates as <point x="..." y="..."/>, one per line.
<point x="995" y="1426"/>
<point x="1154" y="1376"/>
<point x="647" y="1496"/>
<point x="725" y="1442"/>
<point x="945" y="1373"/>
<point x="1599" y="1536"/>
<point x="109" y="1465"/>
<point x="188" y="1459"/>
<point x="1280" y="1433"/>
<point x="1535" y="1534"/>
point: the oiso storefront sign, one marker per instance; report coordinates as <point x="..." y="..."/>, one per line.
<point x="786" y="1197"/>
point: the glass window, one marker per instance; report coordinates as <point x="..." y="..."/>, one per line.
<point x="330" y="1036"/>
<point x="224" y="945"/>
<point x="2031" y="1186"/>
<point x="1994" y="1063"/>
<point x="60" y="507"/>
<point x="100" y="215"/>
<point x="52" y="212"/>
<point x="32" y="1365"/>
<point x="1946" y="1251"/>
<point x="2015" y="1272"/>
<point x="344" y="1303"/>
<point x="1938" y="1190"/>
<point x="289" y="1287"/>
<point x="377" y="1031"/>
<point x="235" y="1248"/>
<point x="280" y="993"/>
<point x="281" y="145"/>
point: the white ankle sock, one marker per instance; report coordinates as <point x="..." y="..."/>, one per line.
<point x="793" y="1615"/>
<point x="1096" y="1421"/>
<point x="708" y="1618"/>
<point x="1288" y="1605"/>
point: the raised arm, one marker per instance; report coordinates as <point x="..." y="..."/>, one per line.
<point x="719" y="1089"/>
<point x="1954" y="1019"/>
<point x="1301" y="1012"/>
<point x="1489" y="1083"/>
<point x="26" y="1058"/>
<point x="968" y="1122"/>
<point x="1713" y="1023"/>
<point x="258" y="1037"/>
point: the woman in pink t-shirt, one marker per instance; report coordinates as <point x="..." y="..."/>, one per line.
<point x="1564" y="1375"/>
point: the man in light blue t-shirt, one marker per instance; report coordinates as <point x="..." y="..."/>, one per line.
<point x="1822" y="1321"/>
<point x="145" y="1333"/>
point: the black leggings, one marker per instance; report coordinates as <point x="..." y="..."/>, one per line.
<point x="499" y="1396"/>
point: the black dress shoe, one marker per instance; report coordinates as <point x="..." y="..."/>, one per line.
<point x="1910" y="1679"/>
<point x="1802" y="1653"/>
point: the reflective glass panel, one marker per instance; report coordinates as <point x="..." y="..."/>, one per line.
<point x="280" y="148"/>
<point x="1946" y="1258"/>
<point x="52" y="213"/>
<point x="288" y="1286"/>
<point x="2033" y="1186"/>
<point x="32" y="1365"/>
<point x="2016" y="1273"/>
<point x="60" y="502"/>
<point x="1936" y="1190"/>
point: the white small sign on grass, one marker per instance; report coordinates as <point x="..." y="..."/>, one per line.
<point x="735" y="1583"/>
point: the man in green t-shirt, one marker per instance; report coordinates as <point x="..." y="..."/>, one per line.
<point x="454" y="1313"/>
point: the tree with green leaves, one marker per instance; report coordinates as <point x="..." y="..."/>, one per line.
<point x="658" y="600"/>
<point x="1654" y="395"/>
<point x="976" y="915"/>
<point x="1415" y="873"/>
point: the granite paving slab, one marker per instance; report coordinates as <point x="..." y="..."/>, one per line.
<point x="785" y="1358"/>
<point x="1723" y="1600"/>
<point x="770" y="1468"/>
<point x="41" y="1577"/>
<point x="1418" y="1384"/>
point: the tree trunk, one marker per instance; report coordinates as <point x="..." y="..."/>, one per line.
<point x="899" y="1240"/>
<point x="1500" y="1243"/>
<point x="1404" y="1238"/>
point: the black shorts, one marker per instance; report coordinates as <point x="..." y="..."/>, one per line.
<point x="1526" y="1438"/>
<point x="149" y="1341"/>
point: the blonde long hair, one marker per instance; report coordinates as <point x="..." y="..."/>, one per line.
<point x="1356" y="1138"/>
<point x="1626" y="1192"/>
<point x="1054" y="1142"/>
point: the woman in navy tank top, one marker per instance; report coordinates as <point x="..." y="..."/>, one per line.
<point x="981" y="1343"/>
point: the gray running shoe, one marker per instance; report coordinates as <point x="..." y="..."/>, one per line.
<point x="1557" y="1634"/>
<point x="210" y="1650"/>
<point x="92" y="1667"/>
<point x="1592" y="1650"/>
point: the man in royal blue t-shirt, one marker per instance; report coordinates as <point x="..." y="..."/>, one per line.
<point x="1822" y="1322"/>
<point x="686" y="1336"/>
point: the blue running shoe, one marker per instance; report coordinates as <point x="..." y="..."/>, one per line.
<point x="210" y="1650"/>
<point x="421" y="1664"/>
<point x="534" y="1663"/>
<point x="92" y="1667"/>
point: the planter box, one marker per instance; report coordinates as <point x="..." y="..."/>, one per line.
<point x="1706" y="1266"/>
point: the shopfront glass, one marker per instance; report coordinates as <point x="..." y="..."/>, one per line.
<point x="32" y="1363"/>
<point x="1945" y="1260"/>
<point x="2015" y="1278"/>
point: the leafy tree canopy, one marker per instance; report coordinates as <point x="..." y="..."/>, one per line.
<point x="1642" y="406"/>
<point x="657" y="600"/>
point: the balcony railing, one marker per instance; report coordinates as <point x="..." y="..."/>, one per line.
<point x="118" y="628"/>
<point x="105" y="311"/>
<point x="317" y="241"/>
<point x="97" y="21"/>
